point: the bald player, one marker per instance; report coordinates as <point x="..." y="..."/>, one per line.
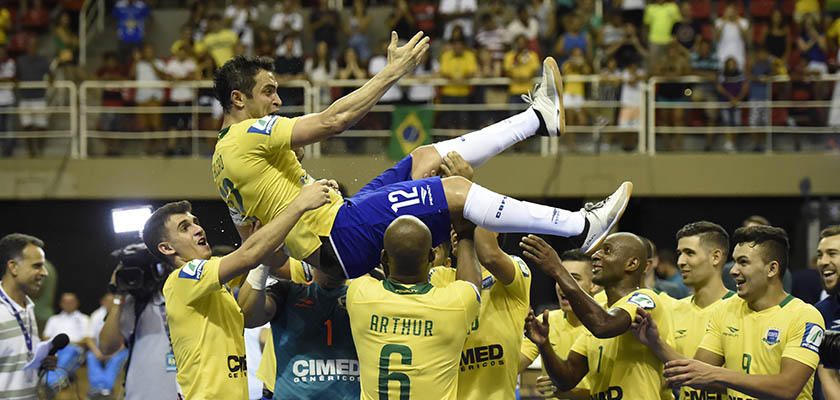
<point x="409" y="333"/>
<point x="615" y="363"/>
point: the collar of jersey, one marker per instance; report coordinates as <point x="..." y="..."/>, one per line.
<point x="223" y="132"/>
<point x="397" y="288"/>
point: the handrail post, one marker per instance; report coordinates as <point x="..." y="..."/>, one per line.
<point x="651" y="115"/>
<point x="83" y="144"/>
<point x="74" y="120"/>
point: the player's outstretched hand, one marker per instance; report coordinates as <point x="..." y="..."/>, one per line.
<point x="535" y="330"/>
<point x="455" y="165"/>
<point x="407" y="57"/>
<point x="538" y="251"/>
<point x="645" y="328"/>
<point x="314" y="195"/>
<point x="545" y="387"/>
<point x="690" y="372"/>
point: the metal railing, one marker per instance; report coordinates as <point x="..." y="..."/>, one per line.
<point x="53" y="106"/>
<point x="91" y="22"/>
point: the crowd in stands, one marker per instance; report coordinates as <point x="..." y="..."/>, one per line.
<point x="739" y="46"/>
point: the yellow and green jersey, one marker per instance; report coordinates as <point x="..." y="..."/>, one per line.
<point x="622" y="367"/>
<point x="409" y="338"/>
<point x="206" y="328"/>
<point x="258" y="176"/>
<point x="754" y="342"/>
<point x="490" y="357"/>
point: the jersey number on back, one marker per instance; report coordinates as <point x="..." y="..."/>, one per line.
<point x="227" y="190"/>
<point x="385" y="376"/>
<point x="410" y="199"/>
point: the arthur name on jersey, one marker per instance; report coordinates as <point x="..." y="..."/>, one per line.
<point x="325" y="370"/>
<point x="401" y="326"/>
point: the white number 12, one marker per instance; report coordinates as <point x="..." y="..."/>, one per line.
<point x="410" y="198"/>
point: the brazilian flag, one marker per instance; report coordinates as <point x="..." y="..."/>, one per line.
<point x="410" y="128"/>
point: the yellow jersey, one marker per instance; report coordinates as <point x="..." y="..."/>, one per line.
<point x="409" y="339"/>
<point x="622" y="367"/>
<point x="690" y="323"/>
<point x="258" y="176"/>
<point x="206" y="328"/>
<point x="490" y="357"/>
<point x="755" y="342"/>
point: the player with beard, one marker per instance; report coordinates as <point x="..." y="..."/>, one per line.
<point x="828" y="262"/>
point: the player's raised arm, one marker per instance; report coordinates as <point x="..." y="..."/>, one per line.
<point x="348" y="110"/>
<point x="468" y="268"/>
<point x="602" y="323"/>
<point x="565" y="374"/>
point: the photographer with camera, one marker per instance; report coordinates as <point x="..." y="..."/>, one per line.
<point x="137" y="318"/>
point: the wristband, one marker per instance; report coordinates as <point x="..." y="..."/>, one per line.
<point x="257" y="277"/>
<point x="117" y="301"/>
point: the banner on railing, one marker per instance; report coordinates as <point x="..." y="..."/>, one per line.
<point x="410" y="128"/>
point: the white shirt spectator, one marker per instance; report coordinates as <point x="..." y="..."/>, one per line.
<point x="494" y="40"/>
<point x="285" y="23"/>
<point x="631" y="94"/>
<point x="423" y="93"/>
<point x="633" y="5"/>
<point x="458" y="6"/>
<point x="76" y="325"/>
<point x="7" y="71"/>
<point x="731" y="42"/>
<point x="516" y="28"/>
<point x="181" y="69"/>
<point x="14" y="381"/>
<point x="145" y="73"/>
<point x="253" y="357"/>
<point x="376" y="64"/>
<point x="241" y="23"/>
<point x="97" y="321"/>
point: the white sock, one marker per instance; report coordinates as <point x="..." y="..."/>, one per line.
<point x="479" y="146"/>
<point x="500" y="213"/>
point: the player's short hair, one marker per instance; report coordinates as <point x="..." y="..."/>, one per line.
<point x="240" y="73"/>
<point x="709" y="233"/>
<point x="154" y="231"/>
<point x="650" y="247"/>
<point x="830" y="231"/>
<point x="772" y="241"/>
<point x="756" y="219"/>
<point x="12" y="245"/>
<point x="575" y="255"/>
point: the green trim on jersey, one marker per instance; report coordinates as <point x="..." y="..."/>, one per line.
<point x="728" y="294"/>
<point x="223" y="132"/>
<point x="397" y="288"/>
<point x="785" y="301"/>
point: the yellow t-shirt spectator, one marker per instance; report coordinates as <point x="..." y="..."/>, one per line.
<point x="520" y="67"/>
<point x="5" y="23"/>
<point x="220" y="45"/>
<point x="660" y="18"/>
<point x="198" y="48"/>
<point x="457" y="66"/>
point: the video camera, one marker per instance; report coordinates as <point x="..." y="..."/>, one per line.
<point x="140" y="272"/>
<point x="830" y="350"/>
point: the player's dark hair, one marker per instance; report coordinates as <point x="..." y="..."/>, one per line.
<point x="772" y="241"/>
<point x="830" y="231"/>
<point x="575" y="255"/>
<point x="240" y="73"/>
<point x="12" y="245"/>
<point x="650" y="247"/>
<point x="709" y="233"/>
<point x="154" y="231"/>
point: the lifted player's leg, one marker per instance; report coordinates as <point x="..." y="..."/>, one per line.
<point x="545" y="117"/>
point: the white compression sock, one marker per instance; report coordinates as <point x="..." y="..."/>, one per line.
<point x="500" y="213"/>
<point x="479" y="146"/>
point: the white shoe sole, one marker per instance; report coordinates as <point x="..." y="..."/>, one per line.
<point x="551" y="64"/>
<point x="615" y="220"/>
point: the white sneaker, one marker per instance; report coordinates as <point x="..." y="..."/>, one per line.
<point x="603" y="215"/>
<point x="547" y="100"/>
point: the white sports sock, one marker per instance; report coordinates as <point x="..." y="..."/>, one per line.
<point x="479" y="146"/>
<point x="500" y="213"/>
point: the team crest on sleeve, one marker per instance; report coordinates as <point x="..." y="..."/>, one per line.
<point x="772" y="336"/>
<point x="526" y="272"/>
<point x="813" y="337"/>
<point x="263" y="125"/>
<point x="192" y="270"/>
<point x="642" y="300"/>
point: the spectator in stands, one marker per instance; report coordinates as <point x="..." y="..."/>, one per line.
<point x="198" y="20"/>
<point x="187" y="40"/>
<point x="64" y="35"/>
<point x="325" y="25"/>
<point x="806" y="8"/>
<point x="392" y="96"/>
<point x="633" y="11"/>
<point x="77" y="328"/>
<point x="733" y="88"/>
<point x="33" y="67"/>
<point x="102" y="369"/>
<point x="111" y="70"/>
<point x="523" y="25"/>
<point x="289" y="65"/>
<point x="776" y="36"/>
<point x="36" y="17"/>
<point x="148" y="68"/>
<point x="672" y="91"/>
<point x="349" y="66"/>
<point x="704" y="63"/>
<point x="731" y="35"/>
<point x="458" y="13"/>
<point x="498" y="11"/>
<point x="242" y="17"/>
<point x="288" y="22"/>
<point x="491" y="37"/>
<point x="574" y="93"/>
<point x="629" y="50"/>
<point x="520" y="65"/>
<point x="543" y="11"/>
<point x="425" y="13"/>
<point x="632" y="77"/>
<point x="180" y="67"/>
<point x="812" y="43"/>
<point x="667" y="271"/>
<point x="421" y="94"/>
<point x="488" y="67"/>
<point x="63" y="68"/>
<point x="357" y="30"/>
<point x="207" y="98"/>
<point x="457" y="64"/>
<point x="609" y="89"/>
<point x="613" y="31"/>
<point x="321" y="68"/>
<point x="574" y="38"/>
<point x="760" y="70"/>
<point x="219" y="40"/>
<point x="6" y="25"/>
<point x="687" y="30"/>
<point x="659" y="19"/>
<point x="401" y="20"/>
<point x="7" y="99"/>
<point x="132" y="16"/>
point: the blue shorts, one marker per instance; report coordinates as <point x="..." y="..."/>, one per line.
<point x="359" y="228"/>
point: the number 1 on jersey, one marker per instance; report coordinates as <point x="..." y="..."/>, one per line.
<point x="328" y="323"/>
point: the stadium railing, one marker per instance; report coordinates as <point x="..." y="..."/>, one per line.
<point x="91" y="22"/>
<point x="61" y="111"/>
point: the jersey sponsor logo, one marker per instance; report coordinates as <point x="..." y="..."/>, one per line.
<point x="526" y="272"/>
<point x="307" y="271"/>
<point x="681" y="332"/>
<point x="426" y="195"/>
<point x="642" y="300"/>
<point x="501" y="207"/>
<point x="733" y="331"/>
<point x="192" y="270"/>
<point x="487" y="282"/>
<point x="771" y="337"/>
<point x="694" y="394"/>
<point x="263" y="125"/>
<point x="305" y="371"/>
<point x="813" y="337"/>
<point x="304" y="303"/>
<point x="482" y="357"/>
<point x="237" y="366"/>
<point x="612" y="393"/>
